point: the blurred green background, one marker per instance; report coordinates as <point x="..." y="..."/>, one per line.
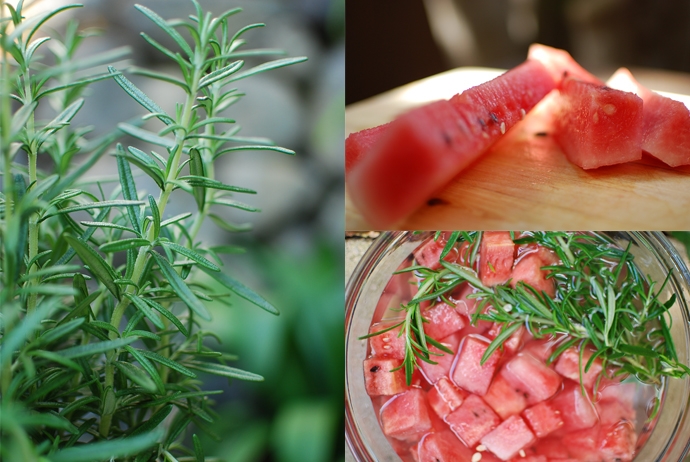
<point x="294" y="254"/>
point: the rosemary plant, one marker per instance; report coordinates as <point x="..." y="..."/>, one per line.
<point x="102" y="294"/>
<point x="602" y="300"/>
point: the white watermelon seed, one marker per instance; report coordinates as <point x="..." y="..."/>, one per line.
<point x="503" y="128"/>
<point x="477" y="457"/>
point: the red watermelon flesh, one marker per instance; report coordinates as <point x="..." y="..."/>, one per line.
<point x="379" y="380"/>
<point x="528" y="270"/>
<point x="433" y="372"/>
<point x="444" y="320"/>
<point x="496" y="256"/>
<point x="406" y="415"/>
<point x="560" y="64"/>
<point x="665" y="123"/>
<point x="597" y="125"/>
<point x="442" y="447"/>
<point x="359" y="143"/>
<point x="426" y="147"/>
<point x="472" y="420"/>
<point x="508" y="438"/>
<point x="468" y="372"/>
<point x="444" y="397"/>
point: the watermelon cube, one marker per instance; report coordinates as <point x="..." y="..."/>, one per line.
<point x="568" y="365"/>
<point x="389" y="344"/>
<point x="576" y="409"/>
<point x="622" y="392"/>
<point x="379" y="380"/>
<point x="665" y="122"/>
<point x="532" y="377"/>
<point x="583" y="444"/>
<point x="504" y="398"/>
<point x="472" y="420"/>
<point x="405" y="416"/>
<point x="463" y="303"/>
<point x="443" y="360"/>
<point x="543" y="419"/>
<point x="444" y="397"/>
<point x="435" y="142"/>
<point x="614" y="411"/>
<point x="468" y="372"/>
<point x="560" y="64"/>
<point x="514" y="342"/>
<point x="597" y="125"/>
<point x="618" y="442"/>
<point x="508" y="438"/>
<point x="528" y="270"/>
<point x="496" y="256"/>
<point x="443" y="320"/>
<point x="429" y="253"/>
<point x="541" y="349"/>
<point x="441" y="446"/>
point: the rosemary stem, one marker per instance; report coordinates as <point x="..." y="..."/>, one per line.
<point x="7" y="291"/>
<point x="140" y="262"/>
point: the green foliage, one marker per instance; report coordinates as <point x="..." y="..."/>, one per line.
<point x="99" y="333"/>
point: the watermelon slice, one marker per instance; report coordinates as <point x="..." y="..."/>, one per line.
<point x="426" y="147"/>
<point x="560" y="64"/>
<point x="665" y="122"/>
<point x="359" y="143"/>
<point x="597" y="125"/>
<point x="429" y="253"/>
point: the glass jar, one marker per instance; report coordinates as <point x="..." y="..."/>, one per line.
<point x="654" y="255"/>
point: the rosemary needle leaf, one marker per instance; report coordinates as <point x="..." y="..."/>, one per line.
<point x="160" y="22"/>
<point x="136" y="375"/>
<point x="91" y="349"/>
<point x="108" y="450"/>
<point x="198" y="449"/>
<point x="97" y="265"/>
<point x="146" y="309"/>
<point x="224" y="371"/>
<point x="167" y="314"/>
<point x="191" y="254"/>
<point x="220" y="74"/>
<point x="124" y="244"/>
<point x="168" y="363"/>
<point x="180" y="287"/>
<point x="278" y="63"/>
<point x="139" y="96"/>
<point x="241" y="290"/>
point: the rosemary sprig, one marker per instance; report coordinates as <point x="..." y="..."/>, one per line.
<point x="602" y="301"/>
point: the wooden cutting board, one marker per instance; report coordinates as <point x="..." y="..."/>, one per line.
<point x="525" y="180"/>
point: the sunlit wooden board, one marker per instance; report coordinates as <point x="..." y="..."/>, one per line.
<point x="525" y="180"/>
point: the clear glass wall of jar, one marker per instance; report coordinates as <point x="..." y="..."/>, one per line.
<point x="654" y="254"/>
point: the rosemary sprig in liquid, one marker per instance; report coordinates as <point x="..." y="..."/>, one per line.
<point x="602" y="301"/>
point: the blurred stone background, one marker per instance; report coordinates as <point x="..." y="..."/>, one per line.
<point x="294" y="255"/>
<point x="393" y="42"/>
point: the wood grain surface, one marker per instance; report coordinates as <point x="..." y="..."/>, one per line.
<point x="526" y="182"/>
